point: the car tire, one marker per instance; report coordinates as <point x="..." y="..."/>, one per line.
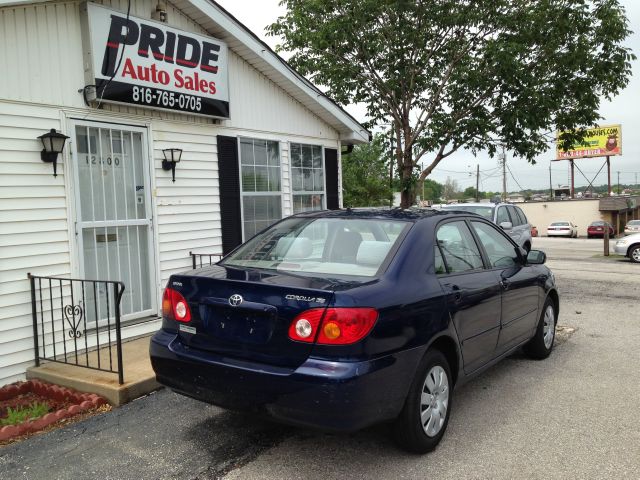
<point x="634" y="254"/>
<point x="431" y="391"/>
<point x="540" y="346"/>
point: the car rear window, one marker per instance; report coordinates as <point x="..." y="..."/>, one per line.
<point x="486" y="212"/>
<point x="560" y="224"/>
<point x="634" y="223"/>
<point x="331" y="246"/>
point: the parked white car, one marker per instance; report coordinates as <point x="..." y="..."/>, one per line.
<point x="562" y="229"/>
<point x="629" y="246"/>
<point x="632" y="226"/>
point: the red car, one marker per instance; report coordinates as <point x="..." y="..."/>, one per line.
<point x="596" y="229"/>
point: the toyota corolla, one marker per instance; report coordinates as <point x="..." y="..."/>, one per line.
<point x="341" y="319"/>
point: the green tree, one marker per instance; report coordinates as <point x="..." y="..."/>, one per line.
<point x="432" y="190"/>
<point x="470" y="74"/>
<point x="450" y="189"/>
<point x="365" y="175"/>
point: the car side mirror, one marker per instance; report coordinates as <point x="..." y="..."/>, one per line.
<point x="506" y="225"/>
<point x="536" y="257"/>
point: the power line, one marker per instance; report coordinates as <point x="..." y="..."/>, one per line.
<point x="514" y="178"/>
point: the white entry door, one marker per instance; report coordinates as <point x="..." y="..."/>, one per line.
<point x="114" y="217"/>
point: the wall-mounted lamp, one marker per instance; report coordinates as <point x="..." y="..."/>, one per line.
<point x="52" y="145"/>
<point x="171" y="157"/>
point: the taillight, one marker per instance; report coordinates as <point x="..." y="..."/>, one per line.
<point x="175" y="306"/>
<point x="333" y="326"/>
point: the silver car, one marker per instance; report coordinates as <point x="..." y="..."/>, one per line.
<point x="629" y="246"/>
<point x="509" y="217"/>
<point x="632" y="226"/>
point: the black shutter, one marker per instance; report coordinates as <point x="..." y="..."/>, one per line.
<point x="229" y="181"/>
<point x="331" y="172"/>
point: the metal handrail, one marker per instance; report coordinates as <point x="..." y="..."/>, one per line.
<point x="199" y="260"/>
<point x="66" y="314"/>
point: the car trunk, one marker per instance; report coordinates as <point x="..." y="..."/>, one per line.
<point x="255" y="327"/>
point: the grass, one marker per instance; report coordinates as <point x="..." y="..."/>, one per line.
<point x="21" y="414"/>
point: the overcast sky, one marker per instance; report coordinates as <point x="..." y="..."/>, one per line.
<point x="624" y="109"/>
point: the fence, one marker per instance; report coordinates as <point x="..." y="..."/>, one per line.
<point x="199" y="260"/>
<point x="75" y="322"/>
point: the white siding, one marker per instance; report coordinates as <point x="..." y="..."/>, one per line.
<point x="40" y="50"/>
<point x="33" y="227"/>
<point x="42" y="47"/>
<point x="189" y="209"/>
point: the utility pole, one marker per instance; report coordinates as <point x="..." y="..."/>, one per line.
<point x="550" y="184"/>
<point x="619" y="191"/>
<point x="504" y="175"/>
<point x="478" y="182"/>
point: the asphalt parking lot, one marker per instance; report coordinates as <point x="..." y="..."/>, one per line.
<point x="574" y="415"/>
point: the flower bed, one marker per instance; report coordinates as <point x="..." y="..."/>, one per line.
<point x="62" y="402"/>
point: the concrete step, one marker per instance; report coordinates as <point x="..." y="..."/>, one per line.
<point x="139" y="378"/>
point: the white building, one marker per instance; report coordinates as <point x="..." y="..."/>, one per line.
<point x="258" y="141"/>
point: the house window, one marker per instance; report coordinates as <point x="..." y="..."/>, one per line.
<point x="307" y="177"/>
<point x="261" y="190"/>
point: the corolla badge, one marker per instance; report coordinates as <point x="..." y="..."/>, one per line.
<point x="235" y="300"/>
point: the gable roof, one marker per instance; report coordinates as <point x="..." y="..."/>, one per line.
<point x="215" y="19"/>
<point x="246" y="44"/>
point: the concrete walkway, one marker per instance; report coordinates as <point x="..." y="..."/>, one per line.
<point x="139" y="378"/>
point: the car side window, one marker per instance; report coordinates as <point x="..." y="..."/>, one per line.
<point x="515" y="219"/>
<point x="502" y="216"/>
<point x="501" y="252"/>
<point x="523" y="217"/>
<point x="458" y="247"/>
<point x="438" y="263"/>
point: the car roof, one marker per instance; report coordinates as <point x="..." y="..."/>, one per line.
<point x="473" y="204"/>
<point x="386" y="213"/>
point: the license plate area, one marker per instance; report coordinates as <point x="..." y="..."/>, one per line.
<point x="237" y="324"/>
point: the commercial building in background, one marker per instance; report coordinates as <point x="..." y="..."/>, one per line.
<point x="185" y="133"/>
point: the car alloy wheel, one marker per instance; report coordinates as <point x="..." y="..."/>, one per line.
<point x="434" y="401"/>
<point x="634" y="255"/>
<point x="541" y="344"/>
<point x="549" y="327"/>
<point x="424" y="418"/>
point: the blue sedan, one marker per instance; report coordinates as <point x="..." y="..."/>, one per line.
<point x="342" y="319"/>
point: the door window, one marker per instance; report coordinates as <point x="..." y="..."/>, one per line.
<point x="500" y="251"/>
<point x="503" y="215"/>
<point x="515" y="219"/>
<point x="458" y="247"/>
<point x="523" y="217"/>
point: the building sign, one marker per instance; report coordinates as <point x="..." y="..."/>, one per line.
<point x="149" y="64"/>
<point x="598" y="142"/>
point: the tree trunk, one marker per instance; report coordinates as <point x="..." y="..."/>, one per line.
<point x="407" y="193"/>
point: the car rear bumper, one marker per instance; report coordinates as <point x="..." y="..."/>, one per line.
<point x="559" y="233"/>
<point x="338" y="396"/>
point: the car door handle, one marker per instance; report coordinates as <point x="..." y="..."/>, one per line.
<point x="504" y="283"/>
<point x="454" y="291"/>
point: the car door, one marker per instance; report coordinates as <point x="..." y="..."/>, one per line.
<point x="519" y="285"/>
<point x="472" y="293"/>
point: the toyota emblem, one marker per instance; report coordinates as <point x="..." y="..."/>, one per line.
<point x="235" y="300"/>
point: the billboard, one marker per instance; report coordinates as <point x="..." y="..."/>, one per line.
<point x="150" y="64"/>
<point x="598" y="142"/>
